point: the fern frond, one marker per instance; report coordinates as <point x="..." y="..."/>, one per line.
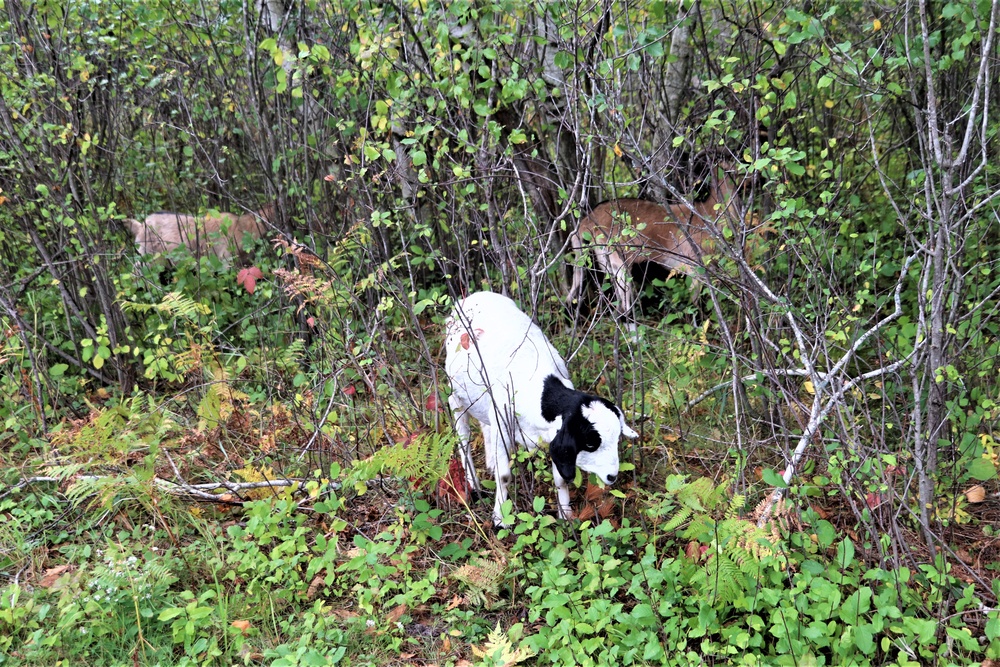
<point x="499" y="651"/>
<point x="218" y="404"/>
<point x="720" y="580"/>
<point x="64" y="471"/>
<point x="292" y="355"/>
<point x="102" y="491"/>
<point x="678" y="519"/>
<point x="425" y="456"/>
<point x="173" y="304"/>
<point x="483" y="578"/>
<point x="696" y="493"/>
<point x="736" y="506"/>
<point x="701" y="528"/>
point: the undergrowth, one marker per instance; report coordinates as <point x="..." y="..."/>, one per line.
<point x="302" y="577"/>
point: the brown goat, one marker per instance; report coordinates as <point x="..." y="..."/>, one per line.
<point x="201" y="234"/>
<point x="624" y="232"/>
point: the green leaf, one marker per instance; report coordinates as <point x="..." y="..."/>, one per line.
<point x="993" y="627"/>
<point x="481" y="107"/>
<point x="982" y="469"/>
<point x="57" y="370"/>
<point x="924" y="629"/>
<point x="856" y="604"/>
<point x="790" y="102"/>
<point x="774" y="479"/>
<point x="172" y="612"/>
<point x="845" y="553"/>
<point x="538" y="504"/>
<point x="825" y="533"/>
<point x="863" y="639"/>
<point x="795" y="169"/>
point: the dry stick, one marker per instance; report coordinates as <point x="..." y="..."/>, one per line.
<point x="822" y="380"/>
<point x="200" y="491"/>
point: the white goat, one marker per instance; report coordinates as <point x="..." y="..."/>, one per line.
<point x="506" y="374"/>
<point x="201" y="234"/>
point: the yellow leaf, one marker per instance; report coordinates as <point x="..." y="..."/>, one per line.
<point x="876" y="25"/>
<point x="618" y="150"/>
<point x="828" y="104"/>
<point x="808" y="386"/>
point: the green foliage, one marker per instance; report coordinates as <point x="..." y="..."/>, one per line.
<point x="425" y="456"/>
<point x="419" y="151"/>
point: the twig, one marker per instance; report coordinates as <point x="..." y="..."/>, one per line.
<point x="821" y="381"/>
<point x="200" y="491"/>
<point x="794" y="372"/>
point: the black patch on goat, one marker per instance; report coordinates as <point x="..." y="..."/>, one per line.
<point x="577" y="432"/>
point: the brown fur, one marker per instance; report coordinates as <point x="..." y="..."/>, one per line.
<point x="677" y="237"/>
<point x="202" y="235"/>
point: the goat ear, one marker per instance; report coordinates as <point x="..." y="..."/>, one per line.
<point x="626" y="429"/>
<point x="563" y="451"/>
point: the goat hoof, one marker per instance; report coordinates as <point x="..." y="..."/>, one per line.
<point x="498" y="526"/>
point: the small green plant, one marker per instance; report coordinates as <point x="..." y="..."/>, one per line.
<point x="195" y="625"/>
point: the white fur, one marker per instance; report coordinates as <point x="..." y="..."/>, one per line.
<point x="497" y="361"/>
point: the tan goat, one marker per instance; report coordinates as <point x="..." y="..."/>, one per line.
<point x="623" y="232"/>
<point x="201" y="234"/>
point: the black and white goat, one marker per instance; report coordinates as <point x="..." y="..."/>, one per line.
<point x="506" y="374"/>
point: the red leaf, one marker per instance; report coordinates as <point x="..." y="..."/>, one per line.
<point x="311" y="321"/>
<point x="454" y="486"/>
<point x="873" y="499"/>
<point x="248" y="278"/>
<point x="434" y="403"/>
<point x="466" y="339"/>
<point x="349" y="390"/>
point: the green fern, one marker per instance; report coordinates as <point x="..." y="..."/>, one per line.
<point x="102" y="492"/>
<point x="291" y="356"/>
<point x="426" y="456"/>
<point x="720" y="580"/>
<point x="173" y="304"/>
<point x="699" y="496"/>
<point x="736" y="505"/>
<point x="737" y="549"/>
<point x="218" y="403"/>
